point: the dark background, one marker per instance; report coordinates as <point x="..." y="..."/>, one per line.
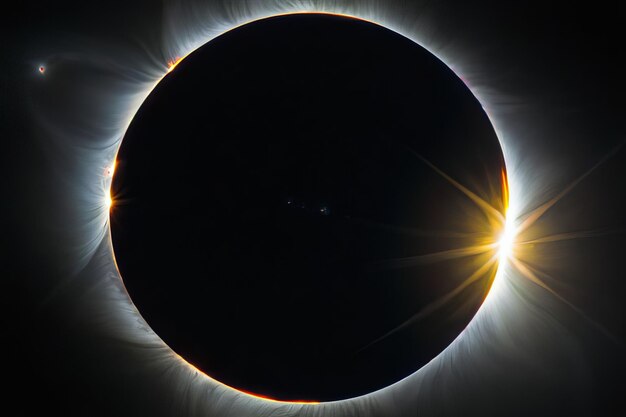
<point x="557" y="76"/>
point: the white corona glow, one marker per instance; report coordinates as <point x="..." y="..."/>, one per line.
<point x="475" y="352"/>
<point x="110" y="170"/>
<point x="185" y="45"/>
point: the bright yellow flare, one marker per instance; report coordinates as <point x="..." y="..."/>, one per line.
<point x="108" y="200"/>
<point x="506" y="242"/>
<point x="506" y="239"/>
<point x="172" y="63"/>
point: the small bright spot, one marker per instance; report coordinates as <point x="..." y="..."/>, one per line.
<point x="506" y="241"/>
<point x="108" y="200"/>
<point x="109" y="171"/>
<point x="42" y="69"/>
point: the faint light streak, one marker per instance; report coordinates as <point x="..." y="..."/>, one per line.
<point x="513" y="243"/>
<point x="501" y="227"/>
<point x="479" y="273"/>
<point x="441" y="256"/>
<point x="491" y="212"/>
<point x="536" y="214"/>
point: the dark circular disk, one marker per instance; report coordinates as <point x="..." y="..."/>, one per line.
<point x="276" y="198"/>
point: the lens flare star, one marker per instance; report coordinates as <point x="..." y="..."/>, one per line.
<point x="506" y="245"/>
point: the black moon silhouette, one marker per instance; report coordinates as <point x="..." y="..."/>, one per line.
<point x="274" y="206"/>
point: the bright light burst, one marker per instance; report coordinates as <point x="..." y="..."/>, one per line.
<point x="506" y="241"/>
<point x="511" y="243"/>
<point x="108" y="200"/>
<point x="506" y="245"/>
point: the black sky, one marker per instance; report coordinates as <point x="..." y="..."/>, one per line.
<point x="556" y="74"/>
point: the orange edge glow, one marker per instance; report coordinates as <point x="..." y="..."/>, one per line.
<point x="266" y="398"/>
<point x="506" y="240"/>
<point x="505" y="190"/>
<point x="171" y="64"/>
<point x="251" y="394"/>
<point x="110" y="170"/>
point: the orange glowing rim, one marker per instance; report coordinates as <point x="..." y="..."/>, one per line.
<point x="171" y="65"/>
